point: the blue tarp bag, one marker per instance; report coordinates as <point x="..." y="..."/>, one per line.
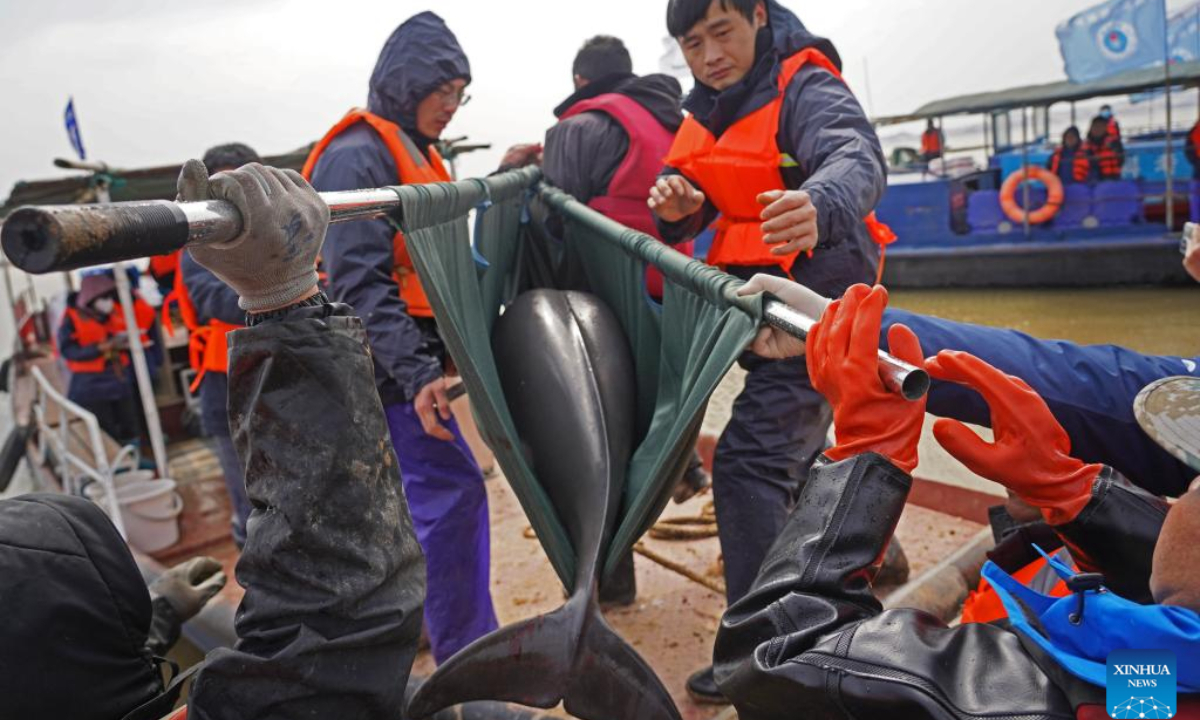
<point x="1081" y="641"/>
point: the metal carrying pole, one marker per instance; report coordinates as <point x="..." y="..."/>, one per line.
<point x="1169" y="165"/>
<point x="1025" y="168"/>
<point x="53" y="238"/>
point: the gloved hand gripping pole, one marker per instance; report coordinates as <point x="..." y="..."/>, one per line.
<point x="57" y="238"/>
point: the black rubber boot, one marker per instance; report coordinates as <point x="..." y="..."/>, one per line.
<point x="702" y="687"/>
<point x="694" y="481"/>
<point x="621" y="588"/>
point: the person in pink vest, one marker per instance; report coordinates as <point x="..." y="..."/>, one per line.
<point x="611" y="133"/>
<point x="606" y="150"/>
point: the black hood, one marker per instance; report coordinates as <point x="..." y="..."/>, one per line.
<point x="77" y="613"/>
<point x="421" y="55"/>
<point x="783" y="37"/>
<point x="660" y="94"/>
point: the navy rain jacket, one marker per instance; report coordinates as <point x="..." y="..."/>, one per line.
<point x="583" y="153"/>
<point x="420" y="56"/>
<point x="90" y="387"/>
<point x="823" y="127"/>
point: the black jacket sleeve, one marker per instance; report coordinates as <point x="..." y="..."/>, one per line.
<point x="165" y="627"/>
<point x="360" y="260"/>
<point x="582" y="153"/>
<point x="810" y="633"/>
<point x="214" y="300"/>
<point x="824" y="129"/>
<point x="333" y="574"/>
<point x="1116" y="533"/>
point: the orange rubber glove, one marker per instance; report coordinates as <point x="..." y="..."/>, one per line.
<point x="843" y="361"/>
<point x="1031" y="454"/>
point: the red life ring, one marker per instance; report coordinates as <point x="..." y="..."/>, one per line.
<point x="1054" y="195"/>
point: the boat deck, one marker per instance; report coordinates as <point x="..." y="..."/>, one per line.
<point x="675" y="617"/>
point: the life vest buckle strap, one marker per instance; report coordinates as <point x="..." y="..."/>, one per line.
<point x="1081" y="585"/>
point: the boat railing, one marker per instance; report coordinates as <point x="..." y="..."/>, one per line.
<point x="80" y="460"/>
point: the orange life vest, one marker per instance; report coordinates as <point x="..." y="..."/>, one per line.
<point x="931" y="142"/>
<point x="163" y="265"/>
<point x="744" y="162"/>
<point x="414" y="170"/>
<point x="208" y="344"/>
<point x="983" y="605"/>
<point x="88" y="332"/>
<point x="143" y="314"/>
<point x="1081" y="165"/>
<point x="1108" y="161"/>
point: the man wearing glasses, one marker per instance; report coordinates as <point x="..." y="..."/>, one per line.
<point x="418" y="85"/>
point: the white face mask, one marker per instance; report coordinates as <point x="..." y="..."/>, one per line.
<point x="104" y="306"/>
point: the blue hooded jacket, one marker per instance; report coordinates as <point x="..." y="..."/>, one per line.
<point x="420" y="56"/>
<point x="823" y="127"/>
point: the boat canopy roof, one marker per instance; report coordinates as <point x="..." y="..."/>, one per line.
<point x="156" y="183"/>
<point x="1047" y="94"/>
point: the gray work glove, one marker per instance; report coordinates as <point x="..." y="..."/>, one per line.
<point x="272" y="264"/>
<point x="189" y="586"/>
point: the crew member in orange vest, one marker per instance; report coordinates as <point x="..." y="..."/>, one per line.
<point x="779" y="153"/>
<point x="418" y="85"/>
<point x="94" y="351"/>
<point x="210" y="310"/>
<point x="1112" y="128"/>
<point x="933" y="142"/>
<point x="1071" y="161"/>
<point x="1106" y="151"/>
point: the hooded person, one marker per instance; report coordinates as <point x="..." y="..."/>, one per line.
<point x="90" y="343"/>
<point x="82" y="637"/>
<point x="418" y="84"/>
<point x="778" y="147"/>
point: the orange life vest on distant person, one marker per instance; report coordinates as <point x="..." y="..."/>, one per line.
<point x="143" y="314"/>
<point x="931" y="143"/>
<point x="1081" y="165"/>
<point x="744" y="162"/>
<point x="414" y="169"/>
<point x="1108" y="161"/>
<point x="163" y="265"/>
<point x="208" y="345"/>
<point x="88" y="332"/>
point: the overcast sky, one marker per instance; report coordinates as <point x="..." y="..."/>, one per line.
<point x="158" y="81"/>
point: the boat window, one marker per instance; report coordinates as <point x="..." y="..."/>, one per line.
<point x="1041" y="124"/>
<point x="1001" y="130"/>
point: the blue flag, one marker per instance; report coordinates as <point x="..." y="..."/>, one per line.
<point x="73" y="129"/>
<point x="1113" y="37"/>
<point x="1183" y="34"/>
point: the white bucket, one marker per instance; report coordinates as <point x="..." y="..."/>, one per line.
<point x="150" y="509"/>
